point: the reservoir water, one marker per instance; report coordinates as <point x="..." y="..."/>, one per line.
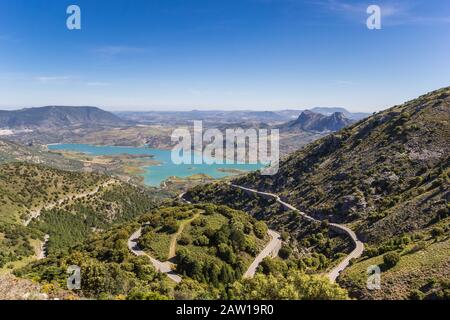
<point x="154" y="175"/>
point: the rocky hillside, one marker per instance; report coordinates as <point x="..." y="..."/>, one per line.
<point x="390" y="168"/>
<point x="351" y="115"/>
<point x="13" y="288"/>
<point x="387" y="178"/>
<point x="311" y="121"/>
<point x="57" y="117"/>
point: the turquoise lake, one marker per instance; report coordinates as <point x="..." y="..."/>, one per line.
<point x="154" y="175"/>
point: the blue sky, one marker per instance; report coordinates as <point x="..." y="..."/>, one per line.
<point x="228" y="54"/>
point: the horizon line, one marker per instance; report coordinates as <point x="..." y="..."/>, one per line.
<point x="185" y="109"/>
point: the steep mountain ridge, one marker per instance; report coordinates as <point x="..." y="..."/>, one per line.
<point x="390" y="168"/>
<point x="351" y="115"/>
<point x="311" y="121"/>
<point x="387" y="178"/>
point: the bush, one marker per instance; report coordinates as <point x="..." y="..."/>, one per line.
<point x="148" y="295"/>
<point x="390" y="259"/>
<point x="285" y="252"/>
<point x="284" y="236"/>
<point x="201" y="241"/>
<point x="296" y="286"/>
<point x="260" y="229"/>
<point x="437" y="232"/>
<point x="225" y="252"/>
<point x="250" y="246"/>
<point x="170" y="226"/>
<point x="416" y="295"/>
<point x="184" y="240"/>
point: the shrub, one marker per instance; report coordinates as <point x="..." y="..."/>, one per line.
<point x="184" y="240"/>
<point x="371" y="252"/>
<point x="416" y="295"/>
<point x="260" y="229"/>
<point x="201" y="241"/>
<point x="297" y="286"/>
<point x="226" y="253"/>
<point x="271" y="266"/>
<point x="170" y="226"/>
<point x="437" y="232"/>
<point x="421" y="245"/>
<point x="284" y="236"/>
<point x="390" y="259"/>
<point x="250" y="246"/>
<point x="285" y="252"/>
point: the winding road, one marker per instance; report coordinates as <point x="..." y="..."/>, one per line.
<point x="271" y="248"/>
<point x="358" y="245"/>
<point x="163" y="267"/>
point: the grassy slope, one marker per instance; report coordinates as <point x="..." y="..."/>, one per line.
<point x="424" y="265"/>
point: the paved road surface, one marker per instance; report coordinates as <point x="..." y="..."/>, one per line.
<point x="358" y="245"/>
<point x="271" y="249"/>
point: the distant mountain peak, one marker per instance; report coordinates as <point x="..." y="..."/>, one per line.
<point x="311" y="121"/>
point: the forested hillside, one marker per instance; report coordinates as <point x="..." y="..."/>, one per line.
<point x="312" y="246"/>
<point x="214" y="244"/>
<point x="68" y="206"/>
<point x="111" y="271"/>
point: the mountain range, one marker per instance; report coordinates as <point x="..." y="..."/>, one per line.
<point x="233" y="116"/>
<point x="385" y="177"/>
<point x="58" y="117"/>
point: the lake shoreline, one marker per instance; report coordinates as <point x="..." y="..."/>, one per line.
<point x="156" y="174"/>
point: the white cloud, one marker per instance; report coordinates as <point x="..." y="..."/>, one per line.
<point x="117" y="50"/>
<point x="97" y="84"/>
<point x="53" y="79"/>
<point x="399" y="12"/>
<point x="344" y="83"/>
